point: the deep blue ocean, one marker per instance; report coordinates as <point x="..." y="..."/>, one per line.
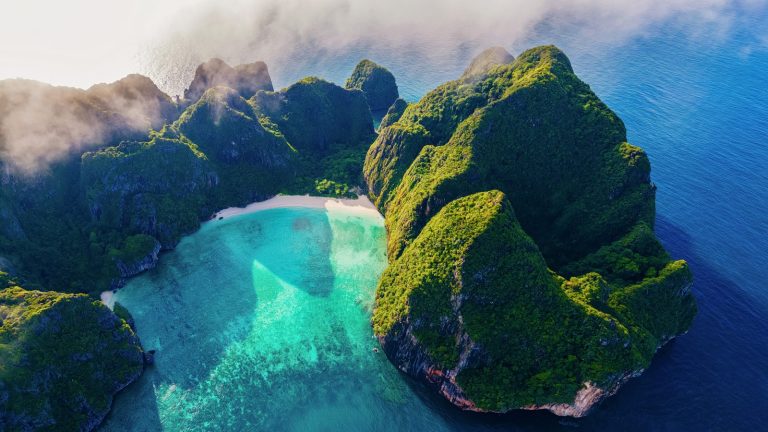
<point x="698" y="104"/>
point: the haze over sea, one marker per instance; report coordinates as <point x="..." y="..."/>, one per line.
<point x="697" y="103"/>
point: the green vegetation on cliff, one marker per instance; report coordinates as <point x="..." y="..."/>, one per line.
<point x="83" y="216"/>
<point x="540" y="135"/>
<point x="393" y="113"/>
<point x="485" y="61"/>
<point x="523" y="262"/>
<point x="95" y="219"/>
<point x="156" y="187"/>
<point x="330" y="128"/>
<point x="376" y="82"/>
<point x="62" y="358"/>
<point x="477" y="283"/>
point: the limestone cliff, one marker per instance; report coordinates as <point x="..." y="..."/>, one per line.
<point x="393" y="113"/>
<point x="63" y="357"/>
<point x="376" y="82"/>
<point x="524" y="273"/>
<point x="246" y="79"/>
<point x="485" y="61"/>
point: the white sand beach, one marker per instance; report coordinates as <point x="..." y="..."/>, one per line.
<point x="108" y="298"/>
<point x="362" y="205"/>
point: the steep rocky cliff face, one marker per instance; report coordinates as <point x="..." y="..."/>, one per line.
<point x="317" y="117"/>
<point x="226" y="129"/>
<point x="246" y="79"/>
<point x="532" y="130"/>
<point x="62" y="358"/>
<point x="140" y="253"/>
<point x="224" y="151"/>
<point x="377" y="83"/>
<point x="43" y="131"/>
<point x="523" y="268"/>
<point x="156" y="187"/>
<point x="524" y="272"/>
<point x="136" y="96"/>
<point x="329" y="127"/>
<point x="393" y="113"/>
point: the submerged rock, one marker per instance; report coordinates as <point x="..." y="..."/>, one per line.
<point x="149" y="358"/>
<point x="376" y="82"/>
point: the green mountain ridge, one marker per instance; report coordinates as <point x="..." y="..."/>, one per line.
<point x="493" y="336"/>
<point x="62" y="358"/>
<point x="93" y="220"/>
<point x="376" y="82"/>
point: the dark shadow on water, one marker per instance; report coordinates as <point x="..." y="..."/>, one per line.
<point x="199" y="291"/>
<point x="126" y="416"/>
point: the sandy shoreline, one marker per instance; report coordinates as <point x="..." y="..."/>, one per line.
<point x="108" y="299"/>
<point x="359" y="206"/>
<point x="362" y="205"/>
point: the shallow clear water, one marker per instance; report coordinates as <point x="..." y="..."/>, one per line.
<point x="261" y="321"/>
<point x="699" y="106"/>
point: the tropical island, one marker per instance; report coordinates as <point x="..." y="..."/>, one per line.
<point x="523" y="268"/>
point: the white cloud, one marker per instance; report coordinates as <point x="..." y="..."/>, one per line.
<point x="80" y="42"/>
<point x="282" y="32"/>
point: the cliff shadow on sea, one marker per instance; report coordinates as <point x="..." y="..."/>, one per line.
<point x="200" y="308"/>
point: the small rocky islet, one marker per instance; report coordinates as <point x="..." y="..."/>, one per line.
<point x="523" y="269"/>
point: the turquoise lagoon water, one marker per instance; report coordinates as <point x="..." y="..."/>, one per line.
<point x="261" y="322"/>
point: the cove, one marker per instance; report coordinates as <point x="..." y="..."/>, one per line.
<point x="262" y="322"/>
